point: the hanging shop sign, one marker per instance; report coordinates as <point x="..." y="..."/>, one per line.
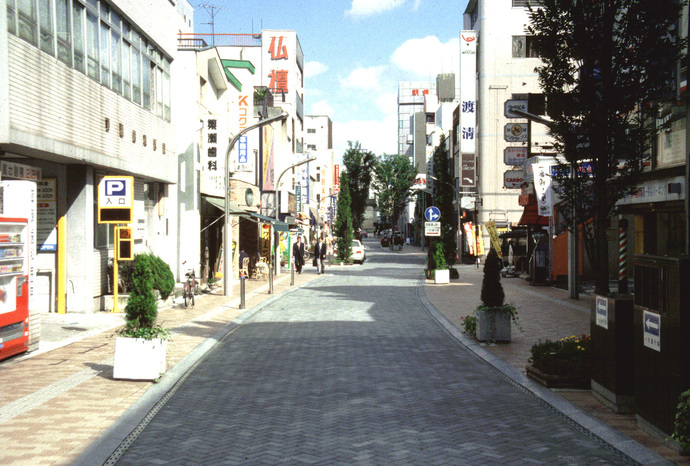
<point x="511" y="105"/>
<point x="513" y="179"/>
<point x="515" y="132"/>
<point x="515" y="155"/>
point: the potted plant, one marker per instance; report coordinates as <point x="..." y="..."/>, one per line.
<point x="565" y="363"/>
<point x="140" y="349"/>
<point x="494" y="316"/>
<point x="440" y="267"/>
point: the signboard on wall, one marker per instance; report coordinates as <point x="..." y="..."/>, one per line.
<point x="46" y="214"/>
<point x="468" y="91"/>
<point x="467" y="170"/>
<point x="515" y="155"/>
<point x="513" y="179"/>
<point x="515" y="132"/>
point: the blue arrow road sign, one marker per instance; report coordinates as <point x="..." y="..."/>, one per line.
<point x="432" y="214"/>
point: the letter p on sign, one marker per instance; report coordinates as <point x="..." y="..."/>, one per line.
<point x="115" y="188"/>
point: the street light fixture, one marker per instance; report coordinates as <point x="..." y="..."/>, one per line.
<point x="276" y="267"/>
<point x="227" y="228"/>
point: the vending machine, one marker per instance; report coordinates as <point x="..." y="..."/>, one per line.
<point x="14" y="286"/>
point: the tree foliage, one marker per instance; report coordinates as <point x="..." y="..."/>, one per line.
<point x="606" y="67"/>
<point x="443" y="196"/>
<point x="393" y="181"/>
<point x="343" y="222"/>
<point x="359" y="165"/>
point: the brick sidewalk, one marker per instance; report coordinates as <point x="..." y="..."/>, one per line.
<point x="55" y="404"/>
<point x="544" y="313"/>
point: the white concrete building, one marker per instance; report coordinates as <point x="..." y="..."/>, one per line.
<point x="505" y="71"/>
<point x="84" y="93"/>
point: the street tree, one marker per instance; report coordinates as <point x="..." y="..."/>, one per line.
<point x="443" y="195"/>
<point x="394" y="177"/>
<point x="359" y="164"/>
<point x="343" y="221"/>
<point x="607" y="68"/>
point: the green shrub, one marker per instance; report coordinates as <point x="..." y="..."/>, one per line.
<point x="567" y="356"/>
<point x="141" y="310"/>
<point x="682" y="424"/>
<point x="469" y="324"/>
<point x="163" y="278"/>
<point x="492" y="294"/>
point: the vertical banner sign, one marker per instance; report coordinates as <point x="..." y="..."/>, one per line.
<point x="268" y="159"/>
<point x="336" y="179"/>
<point x="542" y="187"/>
<point x="468" y="91"/>
<point x="212" y="157"/>
<point x="493" y="234"/>
<point x="298" y="198"/>
<point x="46" y="199"/>
<point x="278" y="76"/>
<point x="469" y="234"/>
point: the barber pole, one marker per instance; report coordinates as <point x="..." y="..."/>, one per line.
<point x="622" y="256"/>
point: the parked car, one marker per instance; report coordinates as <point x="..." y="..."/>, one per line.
<point x="358" y="251"/>
<point x="386" y="240"/>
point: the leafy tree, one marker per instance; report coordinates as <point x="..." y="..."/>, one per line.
<point x="343" y="221"/>
<point x="141" y="310"/>
<point x="393" y="181"/>
<point x="444" y="193"/>
<point x="359" y="165"/>
<point x="606" y="66"/>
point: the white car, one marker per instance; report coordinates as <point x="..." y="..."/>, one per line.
<point x="358" y="253"/>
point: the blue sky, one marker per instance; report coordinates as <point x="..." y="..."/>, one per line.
<point x="356" y="52"/>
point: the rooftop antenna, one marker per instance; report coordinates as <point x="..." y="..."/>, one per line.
<point x="211" y="10"/>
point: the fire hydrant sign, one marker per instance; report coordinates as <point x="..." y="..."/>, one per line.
<point x="432" y="228"/>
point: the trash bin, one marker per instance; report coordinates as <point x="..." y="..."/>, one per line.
<point x="662" y="346"/>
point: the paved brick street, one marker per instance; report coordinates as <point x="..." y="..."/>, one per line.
<point x="350" y="367"/>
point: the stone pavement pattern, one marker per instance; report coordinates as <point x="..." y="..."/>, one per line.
<point x="54" y="404"/>
<point x="352" y="369"/>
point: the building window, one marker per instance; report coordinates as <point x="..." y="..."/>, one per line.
<point x="95" y="40"/>
<point x="311" y="131"/>
<point x="45" y="13"/>
<point x="26" y="20"/>
<point x="62" y="21"/>
<point x="523" y="47"/>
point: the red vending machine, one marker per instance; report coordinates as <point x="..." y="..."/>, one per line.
<point x="14" y="287"/>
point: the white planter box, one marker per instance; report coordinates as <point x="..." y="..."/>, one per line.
<point x="442" y="276"/>
<point x="139" y="359"/>
<point x="493" y="326"/>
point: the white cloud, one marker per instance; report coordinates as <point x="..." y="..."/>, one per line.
<point x="322" y="107"/>
<point x="364" y="78"/>
<point x="314" y="68"/>
<point x="378" y="136"/>
<point x="428" y="57"/>
<point x="388" y="102"/>
<point x="363" y="8"/>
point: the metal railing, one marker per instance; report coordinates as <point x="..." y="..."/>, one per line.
<point x="194" y="41"/>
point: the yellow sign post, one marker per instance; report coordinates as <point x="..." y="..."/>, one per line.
<point x="493" y="234"/>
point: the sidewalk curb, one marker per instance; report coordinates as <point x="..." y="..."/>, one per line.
<point x="570" y="413"/>
<point x="108" y="448"/>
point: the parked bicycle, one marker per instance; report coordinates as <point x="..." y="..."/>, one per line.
<point x="191" y="287"/>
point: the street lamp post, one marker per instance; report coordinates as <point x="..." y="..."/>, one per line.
<point x="276" y="259"/>
<point x="227" y="228"/>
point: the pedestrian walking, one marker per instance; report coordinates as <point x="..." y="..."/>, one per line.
<point x="298" y="254"/>
<point x="320" y="251"/>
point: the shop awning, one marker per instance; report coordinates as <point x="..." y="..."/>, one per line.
<point x="234" y="210"/>
<point x="219" y="203"/>
<point x="315" y="215"/>
<point x="531" y="216"/>
<point x="277" y="224"/>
